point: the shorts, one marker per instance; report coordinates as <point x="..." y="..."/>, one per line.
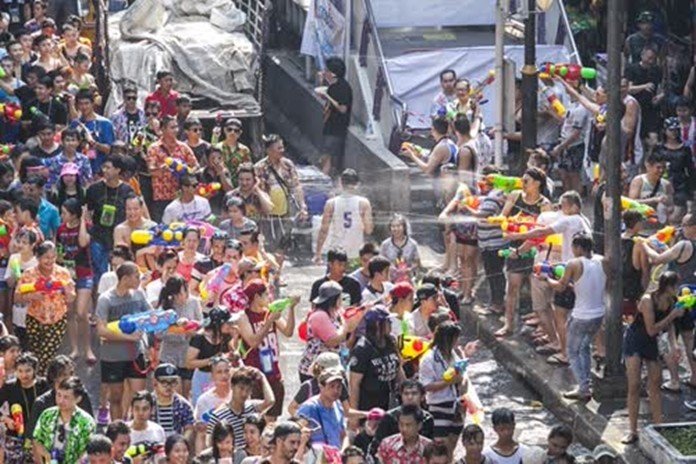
<point x="684" y="323"/>
<point x="571" y="159"/>
<point x="448" y="419"/>
<point x="118" y="371"/>
<point x="564" y="299"/>
<point x="519" y="266"/>
<point x="542" y="295"/>
<point x="278" y="391"/>
<point x="277" y="232"/>
<point x="638" y="343"/>
<point x="185" y="374"/>
<point x="84" y="283"/>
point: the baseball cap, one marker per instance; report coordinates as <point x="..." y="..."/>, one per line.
<point x="166" y="371"/>
<point x="375" y="414"/>
<point x="69" y="169"/>
<point x="401" y="290"/>
<point x="327" y="290"/>
<point x="426" y="291"/>
<point x="218" y="316"/>
<point x="603" y="451"/>
<point x="671" y="123"/>
<point x="254" y="287"/>
<point x="376" y="314"/>
<point x="328" y="360"/>
<point x="330" y="375"/>
<point x="645" y="17"/>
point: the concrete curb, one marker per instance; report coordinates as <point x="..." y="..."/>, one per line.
<point x="517" y="356"/>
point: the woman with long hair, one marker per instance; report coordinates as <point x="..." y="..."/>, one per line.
<point x="655" y="315"/>
<point x="73" y="253"/>
<point x="222" y="446"/>
<point x="401" y="250"/>
<point x="175" y="296"/>
<point x="206" y="345"/>
<point x="189" y="255"/>
<point x="680" y="167"/>
<point x="176" y="450"/>
<point x="68" y="186"/>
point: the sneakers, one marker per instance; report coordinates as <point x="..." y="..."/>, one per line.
<point x="690" y="405"/>
<point x="103" y="416"/>
<point x="577" y="394"/>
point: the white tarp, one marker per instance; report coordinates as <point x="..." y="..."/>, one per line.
<point x="415" y="76"/>
<point x="324" y="30"/>
<point x="185" y="36"/>
<point x="431" y="13"/>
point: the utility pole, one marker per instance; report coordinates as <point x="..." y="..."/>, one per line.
<point x="613" y="381"/>
<point x="529" y="88"/>
<point x="500" y="15"/>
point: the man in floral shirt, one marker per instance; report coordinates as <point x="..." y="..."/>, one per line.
<point x="70" y="139"/>
<point x="172" y="411"/>
<point x="233" y="152"/>
<point x="408" y="445"/>
<point x="164" y="185"/>
<point x="62" y="432"/>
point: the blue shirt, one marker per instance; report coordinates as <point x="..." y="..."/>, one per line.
<point x="328" y="423"/>
<point x="49" y="219"/>
<point x="102" y="131"/>
<point x="55" y="165"/>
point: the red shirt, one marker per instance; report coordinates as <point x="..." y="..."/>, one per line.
<point x="268" y="349"/>
<point x="167" y="102"/>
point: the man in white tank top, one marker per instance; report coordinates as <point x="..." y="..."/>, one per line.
<point x="588" y="274"/>
<point x="346" y="220"/>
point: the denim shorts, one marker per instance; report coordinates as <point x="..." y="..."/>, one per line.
<point x="84" y="283"/>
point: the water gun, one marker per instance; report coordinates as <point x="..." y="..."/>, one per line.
<point x="628" y="204"/>
<point x="601" y="118"/>
<point x="15" y="268"/>
<point x="184" y="326"/>
<point x="555" y="271"/>
<point x="488" y="80"/>
<point x="519" y="223"/>
<point x="43" y="285"/>
<point x="5" y="150"/>
<point x="508" y="252"/>
<point x="420" y="151"/>
<point x="686" y="298"/>
<point x="659" y="239"/>
<point x="459" y="367"/>
<point x="4" y="234"/>
<point x="280" y="305"/>
<point x="569" y="72"/>
<point x="412" y="347"/>
<point x="145" y="449"/>
<point x="554" y="101"/>
<point x="37" y="113"/>
<point x="352" y="311"/>
<point x="18" y="419"/>
<point x="12" y="112"/>
<point x="448" y="112"/>
<point x="215" y="284"/>
<point x="472" y="201"/>
<point x="148" y="321"/>
<point x="178" y="167"/>
<point x="160" y="235"/>
<point x="505" y="183"/>
<point x="207" y="230"/>
<point x="208" y="190"/>
<point x="472" y="407"/>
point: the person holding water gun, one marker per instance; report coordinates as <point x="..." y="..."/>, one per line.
<point x="258" y="328"/>
<point x="652" y="189"/>
<point x="46" y="309"/>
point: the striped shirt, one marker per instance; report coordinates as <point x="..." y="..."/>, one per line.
<point x="165" y="418"/>
<point x="225" y="414"/>
<point x="490" y="236"/>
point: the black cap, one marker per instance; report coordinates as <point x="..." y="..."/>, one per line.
<point x="165" y="371"/>
<point x="645" y="17"/>
<point x="425" y="291"/>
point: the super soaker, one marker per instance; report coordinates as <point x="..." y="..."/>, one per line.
<point x="459" y="367"/>
<point x="161" y="235"/>
<point x="145" y="450"/>
<point x="629" y="204"/>
<point x="43" y="285"/>
<point x="507" y="253"/>
<point x="184" y="326"/>
<point x="687" y="298"/>
<point x="555" y="271"/>
<point x="178" y="167"/>
<point x="660" y="239"/>
<point x="554" y="101"/>
<point x="147" y="321"/>
<point x="505" y="183"/>
<point x="569" y="72"/>
<point x="12" y="112"/>
<point x="409" y="146"/>
<point x="280" y="305"/>
<point x="472" y="407"/>
<point x="208" y="190"/>
<point x="215" y="284"/>
<point x="17" y="419"/>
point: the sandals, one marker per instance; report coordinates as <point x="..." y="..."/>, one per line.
<point x="547" y="350"/>
<point x="666" y="388"/>
<point x="556" y="359"/>
<point x="630" y="439"/>
<point x="502" y="333"/>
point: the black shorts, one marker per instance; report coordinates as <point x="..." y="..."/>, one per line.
<point x="571" y="159"/>
<point x="684" y="323"/>
<point x="564" y="299"/>
<point x="118" y="371"/>
<point x="185" y="374"/>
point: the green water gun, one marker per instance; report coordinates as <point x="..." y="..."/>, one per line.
<point x="507" y="253"/>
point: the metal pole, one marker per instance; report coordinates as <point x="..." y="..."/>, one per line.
<point x="614" y="380"/>
<point x="348" y="14"/>
<point x="500" y="11"/>
<point x="529" y="88"/>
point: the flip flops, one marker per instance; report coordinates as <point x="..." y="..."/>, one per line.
<point x="557" y="360"/>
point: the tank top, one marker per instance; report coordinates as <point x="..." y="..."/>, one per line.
<point x="589" y="290"/>
<point x="453" y="154"/>
<point x="637" y="142"/>
<point x="646" y="191"/>
<point x="265" y="356"/>
<point x="346" y="229"/>
<point x="632" y="289"/>
<point x="638" y="323"/>
<point x="468" y="176"/>
<point x="688" y="268"/>
<point x="521" y="206"/>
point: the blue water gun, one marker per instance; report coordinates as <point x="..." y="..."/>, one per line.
<point x="459" y="367"/>
<point x="149" y="322"/>
<point x="160" y="235"/>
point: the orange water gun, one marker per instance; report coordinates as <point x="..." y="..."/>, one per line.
<point x="472" y="201"/>
<point x="184" y="326"/>
<point x="660" y="239"/>
<point x="43" y="285"/>
<point x="208" y="190"/>
<point x="17" y="419"/>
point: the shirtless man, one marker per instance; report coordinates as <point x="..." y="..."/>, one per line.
<point x="135" y="220"/>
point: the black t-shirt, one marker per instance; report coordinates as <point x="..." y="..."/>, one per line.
<point x="680" y="168"/>
<point x="15" y="8"/>
<point x="379" y="367"/>
<point x="336" y="122"/>
<point x="99" y="195"/>
<point x="13" y="393"/>
<point x="133" y="125"/>
<point x="638" y="75"/>
<point x="48" y="400"/>
<point x="40" y="153"/>
<point x="349" y="284"/>
<point x="56" y="111"/>
<point x="207" y="350"/>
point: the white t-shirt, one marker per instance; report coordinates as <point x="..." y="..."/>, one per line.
<point x="368" y="295"/>
<point x="107" y="282"/>
<point x="547" y="218"/>
<point x="19" y="311"/>
<point x="515" y="458"/>
<point x="569" y="226"/>
<point x="153" y="290"/>
<point x="196" y="210"/>
<point x="208" y="402"/>
<point x="152" y="433"/>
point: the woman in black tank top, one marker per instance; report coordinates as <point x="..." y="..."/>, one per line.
<point x="655" y="314"/>
<point x="529" y="201"/>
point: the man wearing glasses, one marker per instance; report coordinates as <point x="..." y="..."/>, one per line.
<point x="189" y="206"/>
<point x="193" y="132"/>
<point x="130" y="119"/>
<point x="172" y="411"/>
<point x="234" y="153"/>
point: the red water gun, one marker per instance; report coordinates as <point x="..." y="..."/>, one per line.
<point x="472" y="201"/>
<point x="208" y="190"/>
<point x="43" y="285"/>
<point x="184" y="326"/>
<point x="517" y="224"/>
<point x="12" y="112"/>
<point x="5" y="235"/>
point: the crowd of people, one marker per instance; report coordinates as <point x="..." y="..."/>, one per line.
<point x="112" y="223"/>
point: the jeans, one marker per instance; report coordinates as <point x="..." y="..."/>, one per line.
<point x="493" y="266"/>
<point x="581" y="332"/>
<point x="99" y="253"/>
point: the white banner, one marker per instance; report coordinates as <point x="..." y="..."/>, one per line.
<point x="432" y="13"/>
<point x="324" y="30"/>
<point x="415" y="76"/>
